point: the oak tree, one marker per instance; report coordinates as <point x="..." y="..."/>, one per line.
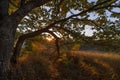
<point x="65" y="16"/>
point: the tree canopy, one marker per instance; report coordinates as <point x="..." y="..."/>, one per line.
<point x="64" y="18"/>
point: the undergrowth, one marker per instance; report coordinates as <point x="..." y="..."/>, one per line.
<point x="77" y="66"/>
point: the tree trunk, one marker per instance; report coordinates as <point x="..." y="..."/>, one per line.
<point x="6" y="46"/>
<point x="6" y="40"/>
<point x="8" y="25"/>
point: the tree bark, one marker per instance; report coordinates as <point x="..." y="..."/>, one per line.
<point x="6" y="46"/>
<point x="6" y="40"/>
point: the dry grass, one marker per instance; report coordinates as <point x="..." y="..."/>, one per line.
<point x="79" y="65"/>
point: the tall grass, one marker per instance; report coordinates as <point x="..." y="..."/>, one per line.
<point x="79" y="65"/>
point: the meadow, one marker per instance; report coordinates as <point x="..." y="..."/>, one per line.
<point x="76" y="65"/>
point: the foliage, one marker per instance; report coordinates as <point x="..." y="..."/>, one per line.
<point x="108" y="35"/>
<point x="58" y="10"/>
<point x="108" y="31"/>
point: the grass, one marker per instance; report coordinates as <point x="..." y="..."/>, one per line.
<point x="78" y="65"/>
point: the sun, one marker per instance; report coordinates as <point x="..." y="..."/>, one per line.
<point x="49" y="39"/>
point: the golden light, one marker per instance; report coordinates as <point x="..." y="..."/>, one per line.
<point x="49" y="39"/>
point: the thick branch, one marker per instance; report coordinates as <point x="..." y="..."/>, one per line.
<point x="26" y="8"/>
<point x="65" y="29"/>
<point x="87" y="20"/>
<point x="20" y="42"/>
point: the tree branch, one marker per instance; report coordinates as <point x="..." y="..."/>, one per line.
<point x="26" y="8"/>
<point x="56" y="42"/>
<point x="20" y="42"/>
<point x="83" y="12"/>
<point x="21" y="12"/>
<point x="115" y="6"/>
<point x="105" y="6"/>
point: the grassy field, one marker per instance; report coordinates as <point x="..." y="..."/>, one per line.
<point x="78" y="65"/>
